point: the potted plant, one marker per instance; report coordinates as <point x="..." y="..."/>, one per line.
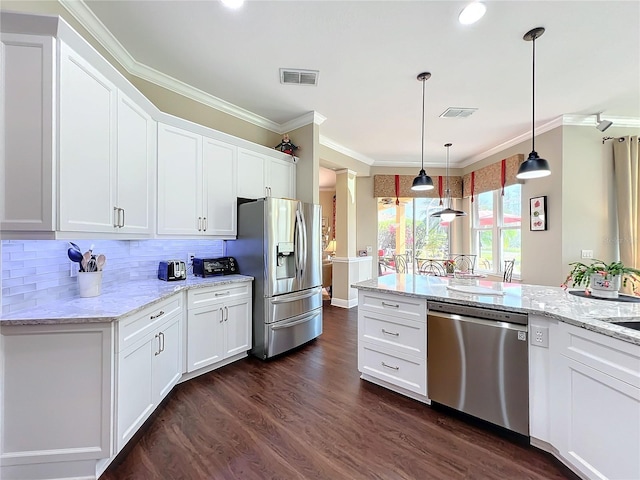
<point x="603" y="278"/>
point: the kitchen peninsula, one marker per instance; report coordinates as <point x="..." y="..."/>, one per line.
<point x="583" y="369"/>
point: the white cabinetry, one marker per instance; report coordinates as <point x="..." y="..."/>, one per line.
<point x="595" y="400"/>
<point x="196" y="184"/>
<point x="56" y="396"/>
<point x="149" y="352"/>
<point x="392" y="342"/>
<point x="218" y="324"/>
<point x="80" y="155"/>
<point x="265" y="176"/>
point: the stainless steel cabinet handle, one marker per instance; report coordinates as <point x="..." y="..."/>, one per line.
<point x="158" y="352"/>
<point x="226" y="313"/>
<point x="395" y="334"/>
<point x="116" y="217"/>
<point x="206" y="224"/>
<point x="221" y="314"/>
<point x="122" y="224"/>
<point x="219" y="294"/>
<point x="199" y="224"/>
<point x="162" y="341"/>
<point x="152" y="317"/>
<point x="394" y="305"/>
<point x="389" y="366"/>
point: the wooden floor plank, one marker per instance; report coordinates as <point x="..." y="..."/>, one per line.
<point x="308" y="415"/>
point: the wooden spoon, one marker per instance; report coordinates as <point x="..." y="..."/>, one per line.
<point x="101" y="261"/>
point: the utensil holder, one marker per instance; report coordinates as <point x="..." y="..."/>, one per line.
<point x="90" y="283"/>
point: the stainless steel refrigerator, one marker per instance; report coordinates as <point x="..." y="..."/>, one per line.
<point x="279" y="244"/>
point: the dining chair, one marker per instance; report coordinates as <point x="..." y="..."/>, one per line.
<point x="464" y="262"/>
<point x="400" y="263"/>
<point x="508" y="269"/>
<point x="432" y="267"/>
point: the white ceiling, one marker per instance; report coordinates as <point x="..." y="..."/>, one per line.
<point x="370" y="52"/>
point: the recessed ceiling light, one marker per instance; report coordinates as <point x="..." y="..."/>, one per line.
<point x="472" y="13"/>
<point x="232" y="3"/>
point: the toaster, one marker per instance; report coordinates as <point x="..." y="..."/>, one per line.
<point x="207" y="267"/>
<point x="170" y="270"/>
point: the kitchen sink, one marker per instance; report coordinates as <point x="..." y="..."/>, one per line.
<point x="633" y="325"/>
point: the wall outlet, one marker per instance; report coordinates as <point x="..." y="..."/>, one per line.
<point x="539" y="336"/>
<point x="369" y="249"/>
<point x="586" y="253"/>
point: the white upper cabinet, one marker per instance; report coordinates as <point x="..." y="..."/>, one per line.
<point x="81" y="155"/>
<point x="196" y="184"/>
<point x="265" y="176"/>
<point x="87" y="135"/>
<point x="136" y="164"/>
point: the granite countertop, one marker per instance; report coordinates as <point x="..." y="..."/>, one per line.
<point x="553" y="302"/>
<point x="116" y="301"/>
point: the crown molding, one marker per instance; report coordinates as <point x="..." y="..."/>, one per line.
<point x="303" y="120"/>
<point x="327" y="142"/>
<point x="590" y="120"/>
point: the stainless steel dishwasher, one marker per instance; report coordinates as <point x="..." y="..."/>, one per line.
<point x="477" y="363"/>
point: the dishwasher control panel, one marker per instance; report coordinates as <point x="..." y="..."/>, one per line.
<point x="479" y="312"/>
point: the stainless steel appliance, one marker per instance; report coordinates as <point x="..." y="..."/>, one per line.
<point x="477" y="363"/>
<point x="208" y="267"/>
<point x="279" y="244"/>
<point x="170" y="270"/>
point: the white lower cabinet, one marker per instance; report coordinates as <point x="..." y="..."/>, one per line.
<point x="149" y="365"/>
<point x="218" y="324"/>
<point x="595" y="403"/>
<point x="392" y="341"/>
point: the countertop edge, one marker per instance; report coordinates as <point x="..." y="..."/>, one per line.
<point x="49" y="314"/>
<point x="605" y="325"/>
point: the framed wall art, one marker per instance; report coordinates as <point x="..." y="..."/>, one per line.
<point x="538" y="213"/>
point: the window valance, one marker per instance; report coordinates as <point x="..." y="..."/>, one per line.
<point x="385" y="186"/>
<point x="490" y="178"/>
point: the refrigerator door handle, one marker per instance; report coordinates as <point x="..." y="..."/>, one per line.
<point x="298" y="246"/>
<point x="304" y="253"/>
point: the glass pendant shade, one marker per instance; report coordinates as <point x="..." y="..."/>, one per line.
<point x="533" y="167"/>
<point x="448" y="214"/>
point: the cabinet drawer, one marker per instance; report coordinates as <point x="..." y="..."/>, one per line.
<point x="136" y="326"/>
<point x="201" y="297"/>
<point x="401" y="334"/>
<point x="408" y="307"/>
<point x="405" y="371"/>
<point x="609" y="355"/>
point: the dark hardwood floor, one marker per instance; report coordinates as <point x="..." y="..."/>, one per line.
<point x="307" y="415"/>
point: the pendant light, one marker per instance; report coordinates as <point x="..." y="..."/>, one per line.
<point x="534" y="166"/>
<point x="423" y="181"/>
<point x="448" y="214"/>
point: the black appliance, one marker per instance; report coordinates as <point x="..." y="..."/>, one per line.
<point x="208" y="267"/>
<point x="170" y="270"/>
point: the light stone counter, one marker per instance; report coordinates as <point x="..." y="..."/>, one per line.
<point x="554" y="302"/>
<point x="116" y="301"/>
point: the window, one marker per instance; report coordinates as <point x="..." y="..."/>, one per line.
<point x="409" y="228"/>
<point x="496" y="229"/>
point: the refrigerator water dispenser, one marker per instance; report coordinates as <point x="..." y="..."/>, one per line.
<point x="285" y="267"/>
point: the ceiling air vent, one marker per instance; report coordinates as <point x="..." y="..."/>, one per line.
<point x="457" y="112"/>
<point x="290" y="76"/>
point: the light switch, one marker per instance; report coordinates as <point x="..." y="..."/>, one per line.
<point x="586" y="254"/>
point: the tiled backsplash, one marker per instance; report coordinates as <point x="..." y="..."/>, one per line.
<point x="35" y="272"/>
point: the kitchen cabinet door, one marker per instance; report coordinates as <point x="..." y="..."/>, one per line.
<point x="135" y="388"/>
<point x="179" y="181"/>
<point x="219" y="174"/>
<point x="251" y="182"/>
<point x="87" y="146"/>
<point x="205" y="336"/>
<point x="281" y="179"/>
<point x="167" y="366"/>
<point x="237" y="327"/>
<point x="135" y="168"/>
